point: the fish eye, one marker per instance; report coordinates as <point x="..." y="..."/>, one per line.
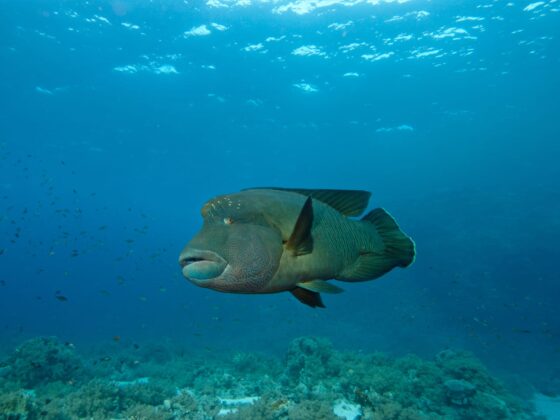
<point x="228" y="220"/>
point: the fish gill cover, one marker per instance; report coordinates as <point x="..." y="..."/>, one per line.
<point x="120" y="119"/>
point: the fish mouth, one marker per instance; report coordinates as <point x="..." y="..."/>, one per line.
<point x="201" y="265"/>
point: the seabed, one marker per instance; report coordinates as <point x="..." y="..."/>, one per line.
<point x="45" y="378"/>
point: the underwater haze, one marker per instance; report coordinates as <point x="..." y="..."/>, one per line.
<point x="119" y="119"/>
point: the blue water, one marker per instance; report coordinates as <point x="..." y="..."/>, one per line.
<point x="119" y="119"/>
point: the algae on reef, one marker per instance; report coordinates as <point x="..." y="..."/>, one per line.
<point x="42" y="360"/>
<point x="46" y="379"/>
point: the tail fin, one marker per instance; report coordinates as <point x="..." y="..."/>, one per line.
<point x="398" y="247"/>
<point x="398" y="250"/>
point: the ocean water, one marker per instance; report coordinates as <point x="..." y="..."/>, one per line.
<point x="120" y="119"/>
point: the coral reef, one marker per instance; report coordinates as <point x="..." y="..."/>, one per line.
<point x="16" y="405"/>
<point x="46" y="379"/>
<point x="41" y="360"/>
<point x="459" y="391"/>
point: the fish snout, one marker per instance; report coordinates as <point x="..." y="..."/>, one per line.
<point x="201" y="265"/>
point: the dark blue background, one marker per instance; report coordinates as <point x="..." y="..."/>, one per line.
<point x="101" y="181"/>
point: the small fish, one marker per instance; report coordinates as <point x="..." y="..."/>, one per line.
<point x="105" y="293"/>
<point x="270" y="240"/>
<point x="105" y="359"/>
<point x="116" y="338"/>
<point x="61" y="298"/>
<point x="2" y="283"/>
<point x="1" y="251"/>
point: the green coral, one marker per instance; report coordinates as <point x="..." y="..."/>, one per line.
<point x="311" y="410"/>
<point x="183" y="403"/>
<point x="395" y="411"/>
<point x="265" y="408"/>
<point x="254" y="364"/>
<point x="151" y="393"/>
<point x="142" y="412"/>
<point x="16" y="405"/>
<point x="308" y="359"/>
<point x="101" y="399"/>
<point x="43" y="360"/>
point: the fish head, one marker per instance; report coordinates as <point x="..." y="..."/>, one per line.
<point x="236" y="250"/>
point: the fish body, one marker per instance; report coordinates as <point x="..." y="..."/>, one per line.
<point x="271" y="240"/>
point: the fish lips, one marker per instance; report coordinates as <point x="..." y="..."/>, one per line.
<point x="199" y="266"/>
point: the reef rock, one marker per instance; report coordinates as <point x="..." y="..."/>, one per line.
<point x="42" y="360"/>
<point x="307" y="359"/>
<point x="459" y="392"/>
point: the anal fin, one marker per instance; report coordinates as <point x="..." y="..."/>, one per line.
<point x="308" y="297"/>
<point x="320" y="286"/>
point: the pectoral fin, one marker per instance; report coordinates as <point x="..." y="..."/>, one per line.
<point x="320" y="286"/>
<point x="308" y="297"/>
<point x="301" y="242"/>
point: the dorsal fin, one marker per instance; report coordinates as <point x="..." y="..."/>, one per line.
<point x="301" y="241"/>
<point x="308" y="297"/>
<point x="347" y="202"/>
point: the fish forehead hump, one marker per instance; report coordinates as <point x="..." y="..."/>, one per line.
<point x="278" y="209"/>
<point x="260" y="201"/>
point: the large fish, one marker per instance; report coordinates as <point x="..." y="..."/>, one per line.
<point x="268" y="240"/>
